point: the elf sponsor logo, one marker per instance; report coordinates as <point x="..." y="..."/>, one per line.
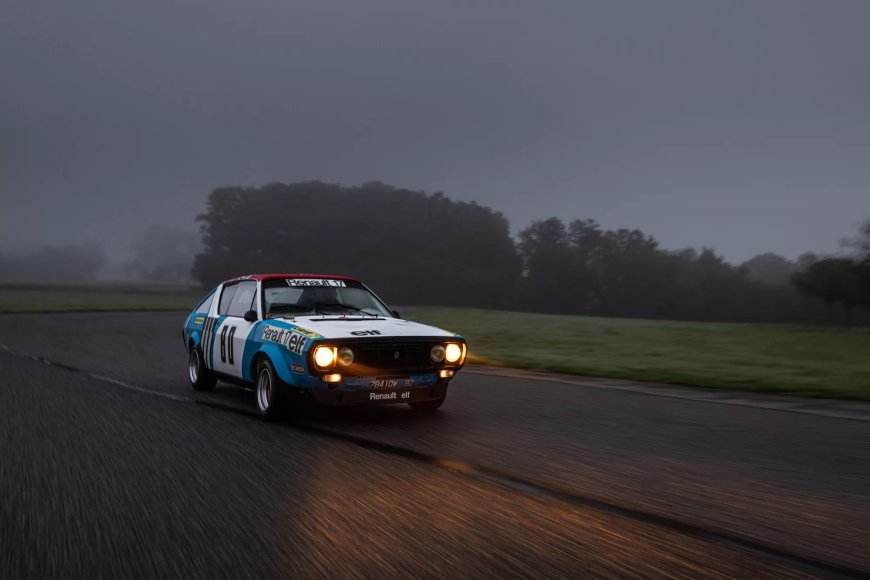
<point x="366" y="332"/>
<point x="293" y="340"/>
<point x="301" y="282"/>
<point x="306" y="332"/>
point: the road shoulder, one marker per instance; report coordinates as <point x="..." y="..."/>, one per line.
<point x="835" y="408"/>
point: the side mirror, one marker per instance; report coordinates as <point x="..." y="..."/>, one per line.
<point x="395" y="313"/>
<point x="251" y="316"/>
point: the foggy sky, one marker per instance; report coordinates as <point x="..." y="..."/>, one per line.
<point x="740" y="125"/>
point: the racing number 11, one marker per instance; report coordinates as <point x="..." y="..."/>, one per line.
<point x="227" y="333"/>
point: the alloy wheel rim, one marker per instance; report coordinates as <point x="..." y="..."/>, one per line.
<point x="193" y="367"/>
<point x="264" y="390"/>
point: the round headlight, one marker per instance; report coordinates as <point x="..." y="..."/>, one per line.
<point x="453" y="352"/>
<point x="345" y="357"/>
<point x="437" y="353"/>
<point x="324" y="356"/>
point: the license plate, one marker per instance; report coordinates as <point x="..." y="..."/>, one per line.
<point x="391" y="383"/>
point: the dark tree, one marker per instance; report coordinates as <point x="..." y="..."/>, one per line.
<point x="412" y="247"/>
<point x="860" y="244"/>
<point x="770" y="269"/>
<point x="548" y="267"/>
<point x="834" y="280"/>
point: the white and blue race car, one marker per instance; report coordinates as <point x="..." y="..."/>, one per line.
<point x="327" y="336"/>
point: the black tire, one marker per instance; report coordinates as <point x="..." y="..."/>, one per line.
<point x="201" y="378"/>
<point x="428" y="406"/>
<point x="270" y="391"/>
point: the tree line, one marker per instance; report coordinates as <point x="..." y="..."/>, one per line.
<point x="415" y="248"/>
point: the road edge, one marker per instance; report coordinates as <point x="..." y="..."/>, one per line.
<point x="833" y="408"/>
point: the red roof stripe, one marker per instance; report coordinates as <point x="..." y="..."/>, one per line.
<point x="280" y="276"/>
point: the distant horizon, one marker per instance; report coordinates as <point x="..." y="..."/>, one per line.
<point x="118" y="258"/>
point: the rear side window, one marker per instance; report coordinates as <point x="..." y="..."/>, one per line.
<point x="205" y="304"/>
<point x="226" y="298"/>
<point x="243" y="300"/>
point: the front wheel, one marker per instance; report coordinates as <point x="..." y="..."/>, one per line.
<point x="271" y="392"/>
<point x="201" y="378"/>
<point x="428" y="406"/>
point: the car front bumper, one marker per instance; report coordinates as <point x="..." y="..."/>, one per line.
<point x="378" y="396"/>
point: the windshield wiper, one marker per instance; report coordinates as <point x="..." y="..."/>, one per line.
<point x="321" y="305"/>
<point x="275" y="311"/>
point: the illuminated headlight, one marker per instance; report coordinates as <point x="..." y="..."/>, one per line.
<point x="452" y="352"/>
<point x="437" y="353"/>
<point x="324" y="356"/>
<point x="345" y="357"/>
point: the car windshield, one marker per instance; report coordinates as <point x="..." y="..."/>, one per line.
<point x="289" y="297"/>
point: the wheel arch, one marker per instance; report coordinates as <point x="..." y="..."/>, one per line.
<point x="255" y="362"/>
<point x="271" y="353"/>
<point x="193" y="340"/>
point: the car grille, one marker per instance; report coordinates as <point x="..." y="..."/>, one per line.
<point x="392" y="356"/>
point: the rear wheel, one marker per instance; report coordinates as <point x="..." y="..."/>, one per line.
<point x="271" y="392"/>
<point x="428" y="406"/>
<point x="201" y="378"/>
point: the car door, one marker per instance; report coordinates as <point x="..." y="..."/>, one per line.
<point x="232" y="332"/>
<point x="221" y="300"/>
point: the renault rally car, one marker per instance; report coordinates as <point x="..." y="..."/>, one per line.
<point x="327" y="336"/>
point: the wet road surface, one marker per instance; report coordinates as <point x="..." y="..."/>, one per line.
<point x="110" y="465"/>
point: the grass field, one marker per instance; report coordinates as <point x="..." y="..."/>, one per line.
<point x="805" y="360"/>
<point x="95" y="297"/>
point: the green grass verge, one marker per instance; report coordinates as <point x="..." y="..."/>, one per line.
<point x="801" y="360"/>
<point x="21" y="298"/>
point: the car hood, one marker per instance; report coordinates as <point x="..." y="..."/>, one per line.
<point x="365" y="327"/>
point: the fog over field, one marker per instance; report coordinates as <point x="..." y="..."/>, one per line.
<point x="742" y="126"/>
<point x="582" y="288"/>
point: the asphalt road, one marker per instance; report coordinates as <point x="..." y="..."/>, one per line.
<point x="111" y="466"/>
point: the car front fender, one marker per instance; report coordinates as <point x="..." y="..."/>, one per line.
<point x="282" y="361"/>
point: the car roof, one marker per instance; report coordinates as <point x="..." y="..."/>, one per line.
<point x="282" y="276"/>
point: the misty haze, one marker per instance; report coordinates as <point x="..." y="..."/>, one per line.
<point x="486" y="288"/>
<point x="742" y="127"/>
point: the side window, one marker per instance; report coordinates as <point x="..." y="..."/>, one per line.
<point x="243" y="300"/>
<point x="226" y="298"/>
<point x="205" y="304"/>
